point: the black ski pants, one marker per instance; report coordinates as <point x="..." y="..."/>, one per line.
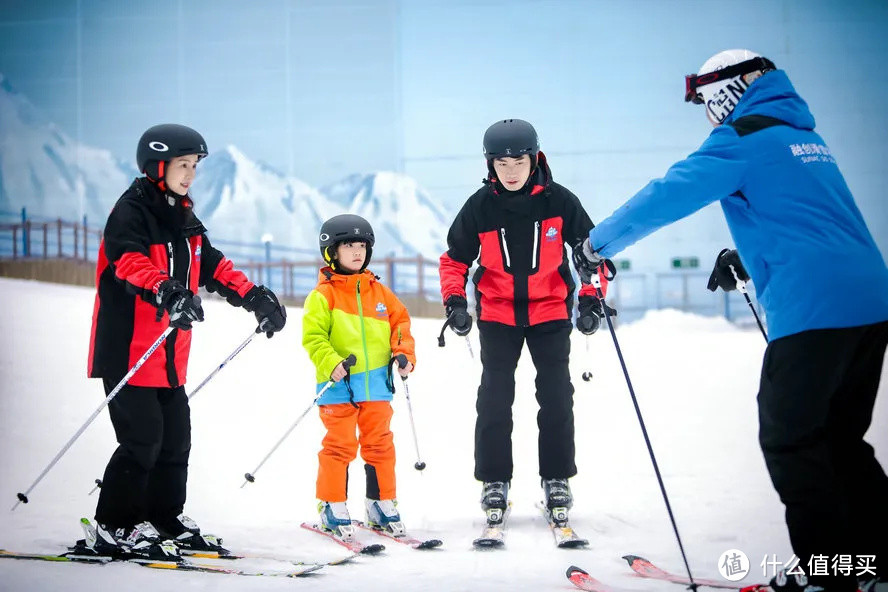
<point x="549" y="346"/>
<point x="146" y="476"/>
<point x="816" y="399"/>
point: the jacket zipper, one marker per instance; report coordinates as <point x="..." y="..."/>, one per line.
<point x="363" y="342"/>
<point x="172" y="259"/>
<point x="170" y="344"/>
<point x="536" y="242"/>
<point x="188" y="274"/>
<point x="505" y="247"/>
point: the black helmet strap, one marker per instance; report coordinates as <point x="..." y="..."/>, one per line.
<point x="693" y="81"/>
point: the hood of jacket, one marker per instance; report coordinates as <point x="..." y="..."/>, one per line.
<point x="773" y="95"/>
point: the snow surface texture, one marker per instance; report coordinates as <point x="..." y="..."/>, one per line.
<point x="696" y="380"/>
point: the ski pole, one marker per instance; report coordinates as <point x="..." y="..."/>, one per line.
<point x="98" y="482"/>
<point x="402" y="362"/>
<point x="347" y="363"/>
<point x="446" y="324"/>
<point x="222" y="365"/>
<point x="23" y="497"/>
<point x="741" y="286"/>
<point x="596" y="283"/>
<point x="469" y="347"/>
<point x="418" y="465"/>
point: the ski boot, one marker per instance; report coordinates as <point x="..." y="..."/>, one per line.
<point x="335" y="519"/>
<point x="558" y="499"/>
<point x="873" y="584"/>
<point x="494" y="501"/>
<point x="185" y="532"/>
<point x="141" y="541"/>
<point x="383" y="515"/>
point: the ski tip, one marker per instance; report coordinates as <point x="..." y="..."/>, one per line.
<point x="372" y="549"/>
<point x="84" y="521"/>
<point x="430" y="544"/>
<point x="573" y="569"/>
<point x="342" y="560"/>
<point x="630" y="559"/>
<point x="488" y="544"/>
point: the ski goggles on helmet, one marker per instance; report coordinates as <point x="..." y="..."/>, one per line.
<point x="694" y="81"/>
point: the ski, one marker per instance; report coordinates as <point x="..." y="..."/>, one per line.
<point x="186" y="565"/>
<point x="352" y="545"/>
<point x="198" y="554"/>
<point x="404" y="539"/>
<point x="493" y="536"/>
<point x="646" y="569"/>
<point x="582" y="580"/>
<point x="565" y="536"/>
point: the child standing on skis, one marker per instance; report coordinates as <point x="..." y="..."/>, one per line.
<point x="351" y="312"/>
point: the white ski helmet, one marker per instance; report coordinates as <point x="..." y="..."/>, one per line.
<point x="720" y="82"/>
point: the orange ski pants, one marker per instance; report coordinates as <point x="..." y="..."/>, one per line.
<point x="340" y="446"/>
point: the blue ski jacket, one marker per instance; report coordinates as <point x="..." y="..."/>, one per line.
<point x="793" y="219"/>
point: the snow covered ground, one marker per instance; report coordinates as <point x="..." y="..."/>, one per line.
<point x="695" y="377"/>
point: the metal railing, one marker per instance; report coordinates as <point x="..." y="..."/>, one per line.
<point x="46" y="238"/>
<point x="293" y="272"/>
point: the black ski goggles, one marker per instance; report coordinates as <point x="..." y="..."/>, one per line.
<point x="693" y="81"/>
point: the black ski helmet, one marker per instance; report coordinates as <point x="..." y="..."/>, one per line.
<point x="162" y="143"/>
<point x="344" y="228"/>
<point x="511" y="137"/>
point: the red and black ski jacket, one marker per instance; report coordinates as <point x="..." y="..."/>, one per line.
<point x="151" y="237"/>
<point x="523" y="277"/>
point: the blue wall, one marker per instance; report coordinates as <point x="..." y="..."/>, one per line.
<point x="323" y="88"/>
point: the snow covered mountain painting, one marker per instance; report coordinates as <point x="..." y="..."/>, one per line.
<point x="45" y="171"/>
<point x="241" y="200"/>
<point x="405" y="218"/>
<point x="238" y="199"/>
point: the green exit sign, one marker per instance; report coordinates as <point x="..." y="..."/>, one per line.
<point x="623" y="264"/>
<point x="685" y="263"/>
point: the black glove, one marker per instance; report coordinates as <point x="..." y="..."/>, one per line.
<point x="458" y="316"/>
<point x="589" y="314"/>
<point x="586" y="260"/>
<point x="270" y="315"/>
<point x="726" y="264"/>
<point x="181" y="303"/>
